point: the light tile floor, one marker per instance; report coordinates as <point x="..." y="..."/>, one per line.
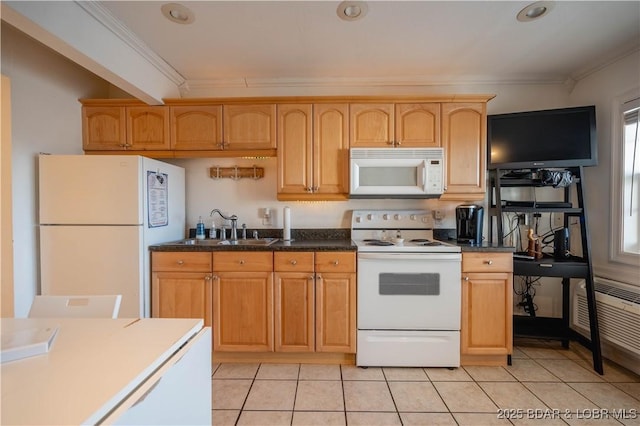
<point x="546" y="385"/>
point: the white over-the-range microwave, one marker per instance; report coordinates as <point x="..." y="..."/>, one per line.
<point x="396" y="172"/>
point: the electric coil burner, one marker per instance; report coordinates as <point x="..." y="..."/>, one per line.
<point x="408" y="291"/>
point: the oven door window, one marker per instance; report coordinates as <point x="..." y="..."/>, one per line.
<point x="409" y="284"/>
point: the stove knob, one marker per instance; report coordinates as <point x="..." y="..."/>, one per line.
<point x="413" y="217"/>
<point x="358" y="219"/>
<point x="370" y="216"/>
<point x="385" y="216"/>
<point x="425" y="219"/>
<point x="397" y="217"/>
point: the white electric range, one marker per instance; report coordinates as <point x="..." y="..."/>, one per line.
<point x="408" y="291"/>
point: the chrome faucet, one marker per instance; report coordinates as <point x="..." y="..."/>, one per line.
<point x="234" y="223"/>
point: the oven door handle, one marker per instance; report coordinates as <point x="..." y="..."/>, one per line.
<point x="411" y="256"/>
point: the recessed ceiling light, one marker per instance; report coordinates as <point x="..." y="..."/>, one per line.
<point x="178" y="13"/>
<point x="352" y="10"/>
<point x="534" y="11"/>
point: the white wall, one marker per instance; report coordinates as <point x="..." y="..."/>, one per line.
<point x="600" y="89"/>
<point x="45" y="89"/>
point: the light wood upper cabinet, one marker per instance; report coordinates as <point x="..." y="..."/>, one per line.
<point x="249" y="127"/>
<point x="313" y="152"/>
<point x="464" y="138"/>
<point x="401" y="125"/>
<point x="104" y="128"/>
<point x="243" y="301"/>
<point x="148" y="128"/>
<point x="196" y="127"/>
<point x="295" y="149"/>
<point x="181" y="285"/>
<point x="372" y="125"/>
<point x="125" y="128"/>
<point x="417" y="125"/>
<point x="487" y="308"/>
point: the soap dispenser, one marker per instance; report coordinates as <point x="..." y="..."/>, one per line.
<point x="200" y="229"/>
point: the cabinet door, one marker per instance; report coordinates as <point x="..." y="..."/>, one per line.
<point x="336" y="312"/>
<point x="487" y="320"/>
<point x="196" y="127"/>
<point x="243" y="311"/>
<point x="181" y="295"/>
<point x="464" y="138"/>
<point x="331" y="149"/>
<point x="295" y="156"/>
<point x="372" y="125"/>
<point x="294" y="312"/>
<point x="103" y="128"/>
<point x="418" y="125"/>
<point x="248" y="127"/>
<point x="148" y="128"/>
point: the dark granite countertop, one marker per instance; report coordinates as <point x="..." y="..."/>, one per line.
<point x="312" y="240"/>
<point x="303" y="240"/>
<point x="486" y="247"/>
<point x="294" y="245"/>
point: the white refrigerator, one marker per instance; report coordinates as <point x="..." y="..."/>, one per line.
<point x="98" y="216"/>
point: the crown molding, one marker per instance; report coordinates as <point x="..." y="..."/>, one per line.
<point x="113" y="24"/>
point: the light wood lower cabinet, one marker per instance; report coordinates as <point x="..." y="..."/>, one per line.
<point x="335" y="302"/>
<point x="307" y="305"/>
<point x="243" y="301"/>
<point x="487" y="309"/>
<point x="294" y="305"/>
<point x="181" y="285"/>
<point x="315" y="302"/>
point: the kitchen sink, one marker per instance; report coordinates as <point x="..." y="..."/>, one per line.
<point x="260" y="242"/>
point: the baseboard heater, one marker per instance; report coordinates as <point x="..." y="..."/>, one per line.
<point x="618" y="307"/>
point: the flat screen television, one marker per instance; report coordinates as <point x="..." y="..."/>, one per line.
<point x="553" y="138"/>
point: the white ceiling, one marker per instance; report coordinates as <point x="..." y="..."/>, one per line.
<point x="284" y="44"/>
<point x="397" y="41"/>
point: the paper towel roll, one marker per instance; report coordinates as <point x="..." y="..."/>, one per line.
<point x="286" y="229"/>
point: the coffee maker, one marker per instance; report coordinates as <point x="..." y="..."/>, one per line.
<point x="469" y="218"/>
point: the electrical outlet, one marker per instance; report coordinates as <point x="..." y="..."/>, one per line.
<point x="267" y="216"/>
<point x="523" y="219"/>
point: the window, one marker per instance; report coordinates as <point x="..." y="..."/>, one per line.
<point x="626" y="181"/>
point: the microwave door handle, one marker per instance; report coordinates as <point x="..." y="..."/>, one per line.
<point x="423" y="184"/>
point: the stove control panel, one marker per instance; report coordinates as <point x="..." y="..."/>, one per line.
<point x="391" y="219"/>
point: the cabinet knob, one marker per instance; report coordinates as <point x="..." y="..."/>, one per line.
<point x="180" y="262"/>
<point x="208" y="278"/>
<point x="294" y="262"/>
<point x="489" y="262"/>
<point x="311" y="277"/>
<point x="335" y="263"/>
<point x="398" y="143"/>
<point x="389" y="142"/>
<point x="318" y="276"/>
<point x="214" y="277"/>
<point x="242" y="261"/>
<point x="466" y="278"/>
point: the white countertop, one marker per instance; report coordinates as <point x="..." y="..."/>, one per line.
<point x="91" y="367"/>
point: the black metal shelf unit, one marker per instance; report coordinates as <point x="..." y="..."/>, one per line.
<point x="548" y="266"/>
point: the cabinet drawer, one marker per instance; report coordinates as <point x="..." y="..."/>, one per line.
<point x="181" y="261"/>
<point x="294" y="261"/>
<point x="335" y="261"/>
<point x="237" y="261"/>
<point x="487" y="262"/>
